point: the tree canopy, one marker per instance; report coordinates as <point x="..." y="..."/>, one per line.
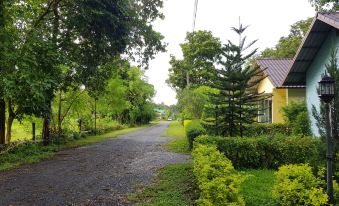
<point x="288" y="46"/>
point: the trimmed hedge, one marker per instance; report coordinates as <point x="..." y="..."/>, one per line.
<point x="259" y="129"/>
<point x="193" y="129"/>
<point x="218" y="181"/>
<point x="266" y="152"/>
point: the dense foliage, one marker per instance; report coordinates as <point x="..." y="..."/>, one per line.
<point x="50" y="48"/>
<point x="266" y="152"/>
<point x="200" y="52"/>
<point x="218" y="181"/>
<point x="193" y="129"/>
<point x="297" y="185"/>
<point x="296" y="115"/>
<point x="267" y="129"/>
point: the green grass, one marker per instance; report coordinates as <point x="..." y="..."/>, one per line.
<point x="175" y="185"/>
<point x="179" y="142"/>
<point x="257" y="188"/>
<point x="32" y="153"/>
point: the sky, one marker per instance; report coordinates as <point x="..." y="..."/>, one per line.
<point x="268" y="20"/>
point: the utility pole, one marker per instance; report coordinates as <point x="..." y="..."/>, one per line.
<point x="195" y="11"/>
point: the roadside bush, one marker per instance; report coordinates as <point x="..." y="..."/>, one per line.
<point x="186" y="122"/>
<point x="258" y="129"/>
<point x="218" y="181"/>
<point x="265" y="152"/>
<point x="193" y="129"/>
<point x="296" y="185"/>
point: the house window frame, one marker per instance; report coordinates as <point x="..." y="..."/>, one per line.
<point x="265" y="111"/>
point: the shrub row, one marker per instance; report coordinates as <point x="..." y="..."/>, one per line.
<point x="266" y="152"/>
<point x="218" y="181"/>
<point x="259" y="129"/>
<point x="193" y="129"/>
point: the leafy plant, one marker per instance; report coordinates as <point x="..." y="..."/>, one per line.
<point x="270" y="129"/>
<point x="193" y="129"/>
<point x="265" y="152"/>
<point x="297" y="117"/>
<point x="297" y="185"/>
<point x="218" y="181"/>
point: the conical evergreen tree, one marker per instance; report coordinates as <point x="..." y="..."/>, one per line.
<point x="237" y="101"/>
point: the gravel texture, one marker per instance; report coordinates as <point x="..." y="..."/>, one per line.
<point x="99" y="174"/>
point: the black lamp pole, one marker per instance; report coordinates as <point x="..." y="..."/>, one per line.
<point x="326" y="95"/>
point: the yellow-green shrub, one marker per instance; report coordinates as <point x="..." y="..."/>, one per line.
<point x="297" y="185"/>
<point x="218" y="181"/>
<point x="186" y="122"/>
<point x="193" y="129"/>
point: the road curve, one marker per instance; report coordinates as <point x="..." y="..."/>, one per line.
<point x="98" y="174"/>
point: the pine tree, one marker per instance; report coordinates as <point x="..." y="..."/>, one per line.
<point x="236" y="104"/>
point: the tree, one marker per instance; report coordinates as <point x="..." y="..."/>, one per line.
<point x="237" y="100"/>
<point x="325" y="5"/>
<point x="191" y="102"/>
<point x="288" y="46"/>
<point x="139" y="94"/>
<point x="69" y="40"/>
<point x="200" y="52"/>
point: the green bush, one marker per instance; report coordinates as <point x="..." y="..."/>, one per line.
<point x="258" y="129"/>
<point x="296" y="185"/>
<point x="302" y="125"/>
<point x="193" y="129"/>
<point x="265" y="152"/>
<point x="218" y="181"/>
<point x="297" y="117"/>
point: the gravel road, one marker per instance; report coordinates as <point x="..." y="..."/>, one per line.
<point x="99" y="174"/>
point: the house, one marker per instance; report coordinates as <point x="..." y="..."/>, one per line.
<point x="313" y="54"/>
<point x="275" y="71"/>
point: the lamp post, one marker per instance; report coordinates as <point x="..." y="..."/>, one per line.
<point x="326" y="86"/>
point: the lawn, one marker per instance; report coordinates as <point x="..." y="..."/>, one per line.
<point x="179" y="143"/>
<point x="257" y="188"/>
<point x="31" y="153"/>
<point x="174" y="185"/>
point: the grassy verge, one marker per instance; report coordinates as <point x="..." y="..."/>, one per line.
<point x="31" y="153"/>
<point x="175" y="185"/>
<point x="179" y="142"/>
<point x="257" y="188"/>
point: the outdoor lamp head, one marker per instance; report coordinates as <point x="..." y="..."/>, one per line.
<point x="326" y="86"/>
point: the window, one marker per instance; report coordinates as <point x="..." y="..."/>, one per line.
<point x="265" y="111"/>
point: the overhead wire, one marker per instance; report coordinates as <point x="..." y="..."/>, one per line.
<point x="195" y="11"/>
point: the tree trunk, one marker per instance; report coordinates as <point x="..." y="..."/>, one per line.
<point x="10" y="119"/>
<point x="46" y="126"/>
<point x="2" y="100"/>
<point x="2" y="121"/>
<point x="59" y="116"/>
<point x="95" y="116"/>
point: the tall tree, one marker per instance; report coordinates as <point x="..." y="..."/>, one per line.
<point x="237" y="100"/>
<point x="325" y="5"/>
<point x="69" y="41"/>
<point x="200" y="52"/>
<point x="288" y="46"/>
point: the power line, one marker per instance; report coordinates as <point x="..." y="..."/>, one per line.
<point x="195" y="13"/>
